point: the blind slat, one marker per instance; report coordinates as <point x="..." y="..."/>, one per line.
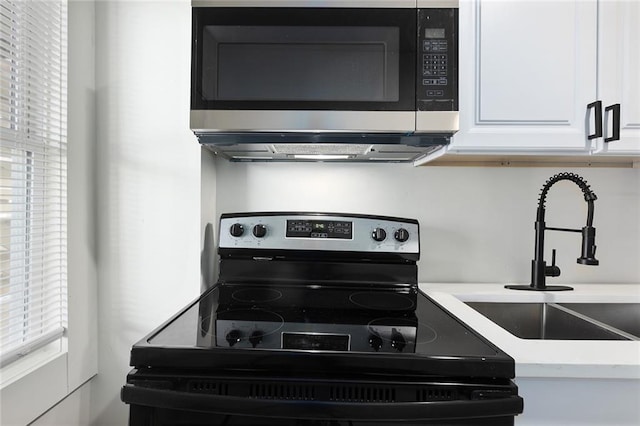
<point x="29" y="338"/>
<point x="36" y="274"/>
<point x="36" y="297"/>
<point x="11" y="346"/>
<point x="37" y="320"/>
<point x="17" y="141"/>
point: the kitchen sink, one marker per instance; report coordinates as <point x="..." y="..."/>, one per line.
<point x="623" y="316"/>
<point x="548" y="321"/>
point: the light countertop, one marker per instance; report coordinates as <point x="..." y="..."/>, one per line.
<point x="606" y="359"/>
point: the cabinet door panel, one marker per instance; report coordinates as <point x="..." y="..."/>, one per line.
<point x="619" y="72"/>
<point x="527" y="73"/>
<point x="524" y="68"/>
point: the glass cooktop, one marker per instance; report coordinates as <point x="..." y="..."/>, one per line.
<point x="234" y="326"/>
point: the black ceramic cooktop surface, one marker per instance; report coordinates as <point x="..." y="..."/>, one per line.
<point x="320" y="328"/>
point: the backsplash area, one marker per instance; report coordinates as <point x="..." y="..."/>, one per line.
<point x="476" y="223"/>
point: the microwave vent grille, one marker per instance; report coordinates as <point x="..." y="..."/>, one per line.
<point x="320" y="149"/>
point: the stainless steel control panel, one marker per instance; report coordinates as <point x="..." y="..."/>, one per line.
<point x="305" y="231"/>
<point x="437" y="60"/>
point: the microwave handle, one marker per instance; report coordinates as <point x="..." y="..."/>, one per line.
<point x="294" y="409"/>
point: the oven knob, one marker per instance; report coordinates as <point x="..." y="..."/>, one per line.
<point x="233" y="337"/>
<point x="401" y="235"/>
<point x="236" y="230"/>
<point x="379" y="234"/>
<point x="256" y="338"/>
<point x="397" y="340"/>
<point x="375" y="342"/>
<point x="259" y="231"/>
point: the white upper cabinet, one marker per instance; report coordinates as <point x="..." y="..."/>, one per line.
<point x="527" y="73"/>
<point x="619" y="76"/>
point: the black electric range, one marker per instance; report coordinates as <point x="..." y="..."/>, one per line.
<point x="317" y="319"/>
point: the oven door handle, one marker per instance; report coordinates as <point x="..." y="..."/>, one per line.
<point x="298" y="409"/>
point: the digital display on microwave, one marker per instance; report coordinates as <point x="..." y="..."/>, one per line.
<point x="434" y="33"/>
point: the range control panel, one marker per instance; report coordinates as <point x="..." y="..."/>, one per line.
<point x="312" y="336"/>
<point x="319" y="231"/>
<point x="437" y="60"/>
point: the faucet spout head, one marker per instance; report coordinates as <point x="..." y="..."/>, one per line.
<point x="588" y="256"/>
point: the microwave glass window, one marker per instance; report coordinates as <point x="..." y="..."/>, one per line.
<point x="332" y="63"/>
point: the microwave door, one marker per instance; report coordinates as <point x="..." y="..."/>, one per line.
<point x="312" y="62"/>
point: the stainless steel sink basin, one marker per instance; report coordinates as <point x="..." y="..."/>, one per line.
<point x="623" y="316"/>
<point x="545" y="321"/>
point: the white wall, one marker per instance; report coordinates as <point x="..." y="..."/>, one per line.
<point x="145" y="179"/>
<point x="149" y="179"/>
<point x="476" y="223"/>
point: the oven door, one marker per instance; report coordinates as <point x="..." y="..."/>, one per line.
<point x="295" y="69"/>
<point x="165" y="408"/>
<point x="171" y="398"/>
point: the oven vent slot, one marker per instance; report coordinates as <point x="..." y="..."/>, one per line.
<point x="436" y="394"/>
<point x="362" y="394"/>
<point x="207" y="386"/>
<point x="281" y="391"/>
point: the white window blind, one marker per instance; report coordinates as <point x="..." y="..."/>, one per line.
<point x="33" y="161"/>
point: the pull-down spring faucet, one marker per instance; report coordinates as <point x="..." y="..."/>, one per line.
<point x="539" y="268"/>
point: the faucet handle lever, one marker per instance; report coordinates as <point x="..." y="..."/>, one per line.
<point x="553" y="270"/>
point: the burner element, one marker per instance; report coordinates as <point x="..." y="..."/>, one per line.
<point x="256" y="295"/>
<point x="382" y="300"/>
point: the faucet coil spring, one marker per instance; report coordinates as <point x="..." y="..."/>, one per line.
<point x="589" y="195"/>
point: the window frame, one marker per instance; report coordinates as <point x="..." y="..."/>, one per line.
<point x="51" y="373"/>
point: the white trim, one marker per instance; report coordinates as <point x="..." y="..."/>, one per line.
<point x="37" y="390"/>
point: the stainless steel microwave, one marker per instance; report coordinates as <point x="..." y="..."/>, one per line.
<point x="332" y="80"/>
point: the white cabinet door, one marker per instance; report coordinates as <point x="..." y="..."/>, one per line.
<point x="619" y="73"/>
<point x="527" y="72"/>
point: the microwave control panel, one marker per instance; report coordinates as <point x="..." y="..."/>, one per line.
<point x="437" y="85"/>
